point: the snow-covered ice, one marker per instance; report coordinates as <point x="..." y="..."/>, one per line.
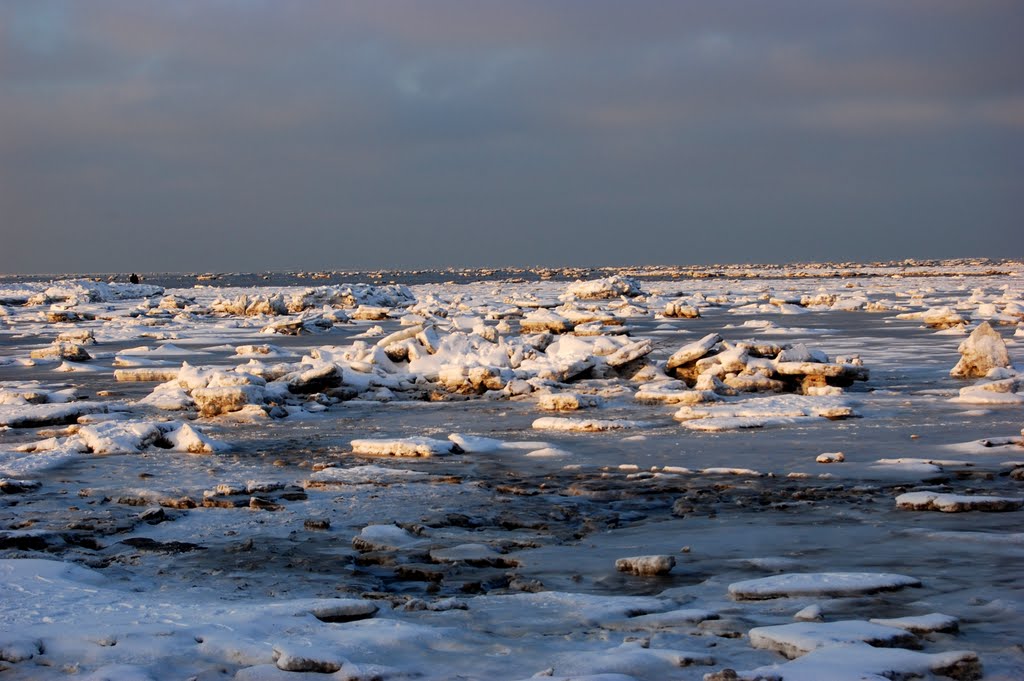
<point x="820" y="584"/>
<point x="257" y="478"/>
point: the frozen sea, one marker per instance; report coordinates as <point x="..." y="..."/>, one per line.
<point x="274" y="550"/>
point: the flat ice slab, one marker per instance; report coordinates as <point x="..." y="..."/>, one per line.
<point x="364" y="475"/>
<point x="585" y="425"/>
<point x="800" y="638"/>
<point x="861" y="662"/>
<point x="956" y="503"/>
<point x="819" y="584"/>
<point x="923" y="624"/>
<point x="409" y="446"/>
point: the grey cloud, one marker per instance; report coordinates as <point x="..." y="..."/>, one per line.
<point x="249" y="135"/>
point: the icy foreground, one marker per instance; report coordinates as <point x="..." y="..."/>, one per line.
<point x="790" y="474"/>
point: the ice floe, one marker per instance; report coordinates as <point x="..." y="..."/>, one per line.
<point x="956" y="503"/>
<point x="862" y="662"/>
<point x="799" y="638"/>
<point x="410" y="446"/>
<point x="585" y="425"/>
<point x="646" y="565"/>
<point x="833" y="584"/>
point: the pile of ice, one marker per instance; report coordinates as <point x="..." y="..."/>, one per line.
<point x="762" y="367"/>
<point x="352" y="296"/>
<point x="983" y="355"/>
<point x="255" y="388"/>
<point x="105" y="437"/>
<point x="244" y="305"/>
<point x="127" y="437"/>
<point x="424" y="361"/>
<point x="711" y="375"/>
<point x="467" y="356"/>
<point x="598" y="289"/>
<point x="74" y="292"/>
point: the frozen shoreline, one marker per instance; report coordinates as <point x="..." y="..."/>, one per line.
<point x="502" y="562"/>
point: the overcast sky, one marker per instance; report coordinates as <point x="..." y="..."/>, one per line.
<point x="260" y="134"/>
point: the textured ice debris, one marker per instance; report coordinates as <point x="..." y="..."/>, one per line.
<point x="566" y="401"/>
<point x="646" y="565"/>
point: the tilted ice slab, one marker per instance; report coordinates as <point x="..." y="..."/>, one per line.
<point x="981" y="395"/>
<point x="673" y="619"/>
<point x="902" y="471"/>
<point x="75" y="368"/>
<point x="769" y="328"/>
<point x="56" y="452"/>
<point x="861" y="662"/>
<point x="922" y="624"/>
<point x="955" y="503"/>
<point x="482" y="445"/>
<point x="819" y="584"/>
<point x="799" y="638"/>
<point x="633" y="657"/>
<point x="409" y="446"/>
<point x="988" y="445"/>
<point x="586" y="677"/>
<point x="558" y="612"/>
<point x="470" y="553"/>
<point x="548" y="452"/>
<point x="384" y="538"/>
<point x="913" y="460"/>
<point x="165" y="350"/>
<point x="970" y="536"/>
<point x="730" y="470"/>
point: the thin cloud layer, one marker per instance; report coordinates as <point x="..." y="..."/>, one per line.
<point x="251" y="135"/>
